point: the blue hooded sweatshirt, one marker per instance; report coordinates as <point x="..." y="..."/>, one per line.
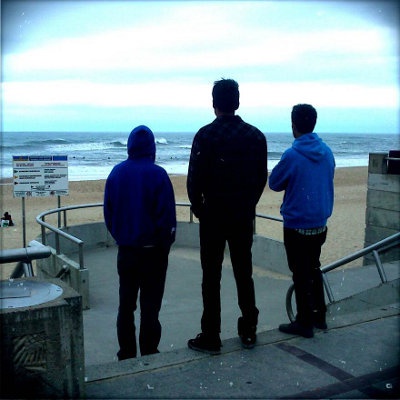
<point x="305" y="172"/>
<point x="139" y="201"/>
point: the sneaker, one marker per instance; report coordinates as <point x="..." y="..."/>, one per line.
<point x="320" y="320"/>
<point x="294" y="328"/>
<point x="247" y="335"/>
<point x="206" y="344"/>
<point x="125" y="356"/>
<point x="320" y="325"/>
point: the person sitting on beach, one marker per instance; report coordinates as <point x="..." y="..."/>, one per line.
<point x="139" y="212"/>
<point x="7" y="217"/>
<point x="226" y="177"/>
<point x="305" y="172"/>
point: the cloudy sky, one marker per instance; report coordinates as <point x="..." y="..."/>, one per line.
<point x="110" y="65"/>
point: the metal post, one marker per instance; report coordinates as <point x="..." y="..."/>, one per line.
<point x="328" y="289"/>
<point x="57" y="238"/>
<point x="58" y="214"/>
<point x="379" y="266"/>
<point x="81" y="263"/>
<point x="28" y="270"/>
<point x="23" y="223"/>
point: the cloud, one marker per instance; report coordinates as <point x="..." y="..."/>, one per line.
<point x="175" y="94"/>
<point x="167" y="54"/>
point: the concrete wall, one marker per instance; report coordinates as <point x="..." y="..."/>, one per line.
<point x="267" y="253"/>
<point x="383" y="206"/>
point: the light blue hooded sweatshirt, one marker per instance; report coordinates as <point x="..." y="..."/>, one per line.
<point x="305" y="172"/>
<point x="139" y="202"/>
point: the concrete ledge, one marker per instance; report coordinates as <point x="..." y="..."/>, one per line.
<point x="370" y="305"/>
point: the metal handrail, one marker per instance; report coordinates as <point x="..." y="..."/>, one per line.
<point x="381" y="245"/>
<point x="24" y="256"/>
<point x="40" y="219"/>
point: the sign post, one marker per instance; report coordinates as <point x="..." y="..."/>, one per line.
<point x="39" y="176"/>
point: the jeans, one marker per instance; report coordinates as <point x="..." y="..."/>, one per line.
<point x="214" y="233"/>
<point x="140" y="269"/>
<point x="303" y="254"/>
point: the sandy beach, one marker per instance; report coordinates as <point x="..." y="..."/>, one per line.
<point x="346" y="226"/>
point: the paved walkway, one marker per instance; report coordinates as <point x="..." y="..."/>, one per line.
<point x="357" y="358"/>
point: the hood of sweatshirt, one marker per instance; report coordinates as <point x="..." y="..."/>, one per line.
<point x="141" y="143"/>
<point x="310" y="146"/>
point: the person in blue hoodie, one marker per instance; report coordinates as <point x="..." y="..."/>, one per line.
<point x="306" y="173"/>
<point x="139" y="212"/>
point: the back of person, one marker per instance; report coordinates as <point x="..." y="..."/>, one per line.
<point x="139" y="212"/>
<point x="305" y="172"/>
<point x="309" y="167"/>
<point x="138" y="206"/>
<point x="226" y="177"/>
<point x="235" y="164"/>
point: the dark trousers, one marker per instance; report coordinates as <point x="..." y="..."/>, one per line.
<point x="303" y="254"/>
<point x="214" y="233"/>
<point x="140" y="269"/>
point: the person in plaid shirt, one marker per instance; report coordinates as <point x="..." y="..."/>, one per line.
<point x="226" y="177"/>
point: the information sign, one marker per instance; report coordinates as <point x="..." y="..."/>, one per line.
<point x="40" y="176"/>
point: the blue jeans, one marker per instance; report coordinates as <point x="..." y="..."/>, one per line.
<point x="214" y="233"/>
<point x="140" y="269"/>
<point x="303" y="254"/>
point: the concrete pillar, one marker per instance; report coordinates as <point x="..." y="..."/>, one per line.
<point x="42" y="354"/>
<point x="383" y="205"/>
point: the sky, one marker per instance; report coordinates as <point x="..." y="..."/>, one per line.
<point x="111" y="65"/>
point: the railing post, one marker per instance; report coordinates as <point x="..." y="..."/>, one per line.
<point x="28" y="270"/>
<point x="328" y="289"/>
<point x="43" y="230"/>
<point x="57" y="238"/>
<point x="81" y="263"/>
<point x="379" y="266"/>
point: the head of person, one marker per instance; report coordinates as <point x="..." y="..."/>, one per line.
<point x="304" y="118"/>
<point x="225" y="96"/>
<point x="141" y="143"/>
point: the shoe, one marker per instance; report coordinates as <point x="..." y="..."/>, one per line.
<point x="206" y="344"/>
<point x="247" y="335"/>
<point x="320" y="325"/>
<point x="125" y="356"/>
<point x="294" y="328"/>
<point x="320" y="320"/>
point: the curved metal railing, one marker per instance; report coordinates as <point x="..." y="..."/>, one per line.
<point x="375" y="248"/>
<point x="40" y="219"/>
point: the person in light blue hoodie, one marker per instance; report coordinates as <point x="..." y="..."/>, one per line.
<point x="139" y="212"/>
<point x="306" y="173"/>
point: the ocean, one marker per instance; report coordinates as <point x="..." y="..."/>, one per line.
<point x="91" y="155"/>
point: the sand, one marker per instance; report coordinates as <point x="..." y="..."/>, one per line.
<point x="346" y="226"/>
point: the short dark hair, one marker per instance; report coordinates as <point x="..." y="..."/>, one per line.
<point x="225" y="95"/>
<point x="304" y="117"/>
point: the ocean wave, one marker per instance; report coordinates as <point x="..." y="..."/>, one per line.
<point x="161" y="141"/>
<point x="34" y="144"/>
<point x="117" y="143"/>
